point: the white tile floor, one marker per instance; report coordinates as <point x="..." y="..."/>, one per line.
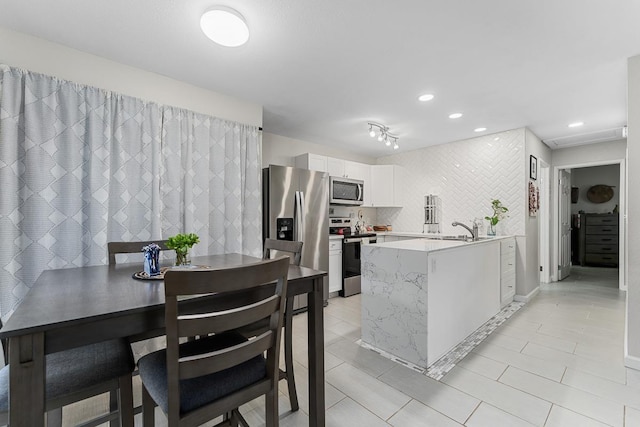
<point x="556" y="362"/>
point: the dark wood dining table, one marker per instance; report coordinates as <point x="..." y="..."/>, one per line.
<point x="72" y="307"/>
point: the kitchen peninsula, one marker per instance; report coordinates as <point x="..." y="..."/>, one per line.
<point x="421" y="297"/>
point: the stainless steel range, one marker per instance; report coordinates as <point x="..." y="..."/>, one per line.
<point x="351" y="249"/>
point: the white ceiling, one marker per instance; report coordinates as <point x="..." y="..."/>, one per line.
<point x="322" y="69"/>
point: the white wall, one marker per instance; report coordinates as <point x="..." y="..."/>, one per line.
<point x="632" y="352"/>
<point x="585" y="178"/>
<point x="530" y="258"/>
<point x="280" y="150"/>
<point x="39" y="55"/>
<point x="602" y="153"/>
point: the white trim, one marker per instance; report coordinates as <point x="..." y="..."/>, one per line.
<point x="544" y="222"/>
<point x="632" y="362"/>
<point x="528" y="297"/>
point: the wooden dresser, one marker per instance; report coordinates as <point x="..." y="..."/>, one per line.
<point x="599" y="239"/>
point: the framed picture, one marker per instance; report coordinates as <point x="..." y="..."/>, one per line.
<point x="533" y="167"/>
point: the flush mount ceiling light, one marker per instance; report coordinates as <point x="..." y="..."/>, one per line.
<point x="426" y="97"/>
<point x="455" y="115"/>
<point x="576" y="124"/>
<point x="479" y="129"/>
<point x="225" y="26"/>
<point x="383" y="134"/>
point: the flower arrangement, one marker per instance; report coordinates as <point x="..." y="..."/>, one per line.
<point x="499" y="213"/>
<point x="181" y="243"/>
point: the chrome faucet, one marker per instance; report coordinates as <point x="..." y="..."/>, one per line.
<point x="474" y="232"/>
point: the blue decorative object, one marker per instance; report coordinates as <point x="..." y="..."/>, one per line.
<point x="151" y="259"/>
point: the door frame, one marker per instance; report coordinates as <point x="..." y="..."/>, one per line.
<point x="622" y="209"/>
<point x="544" y="221"/>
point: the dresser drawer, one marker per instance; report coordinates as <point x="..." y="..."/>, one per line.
<point x="602" y="249"/>
<point x="602" y="229"/>
<point x="602" y="220"/>
<point x="601" y="258"/>
<point x="602" y="239"/>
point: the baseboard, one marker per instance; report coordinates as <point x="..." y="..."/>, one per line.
<point x="527" y="298"/>
<point x="632" y="362"/>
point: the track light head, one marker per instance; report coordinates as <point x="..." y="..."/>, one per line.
<point x="383" y="134"/>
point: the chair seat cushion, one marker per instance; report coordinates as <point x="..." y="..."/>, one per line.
<point x="197" y="392"/>
<point x="73" y="370"/>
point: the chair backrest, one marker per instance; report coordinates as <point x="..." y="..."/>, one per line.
<point x="292" y="247"/>
<point x="131" y="248"/>
<point x="238" y="287"/>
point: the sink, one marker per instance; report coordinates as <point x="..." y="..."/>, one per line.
<point x="460" y="237"/>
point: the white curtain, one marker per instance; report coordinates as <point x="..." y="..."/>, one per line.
<point x="80" y="166"/>
<point x="211" y="182"/>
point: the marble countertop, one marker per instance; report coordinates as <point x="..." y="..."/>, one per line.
<point x="336" y="236"/>
<point x="431" y="244"/>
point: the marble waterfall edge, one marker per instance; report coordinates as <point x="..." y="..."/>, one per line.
<point x="394" y="302"/>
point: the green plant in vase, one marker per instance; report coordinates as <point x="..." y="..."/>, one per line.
<point x="181" y="243"/>
<point x="499" y="213"/>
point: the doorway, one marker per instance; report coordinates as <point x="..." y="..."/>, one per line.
<point x="594" y="237"/>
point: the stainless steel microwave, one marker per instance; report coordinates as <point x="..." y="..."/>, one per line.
<point x="345" y="191"/>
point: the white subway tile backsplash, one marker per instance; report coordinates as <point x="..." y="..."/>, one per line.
<point x="466" y="175"/>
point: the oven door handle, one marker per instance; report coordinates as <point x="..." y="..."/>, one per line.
<point x="356" y="240"/>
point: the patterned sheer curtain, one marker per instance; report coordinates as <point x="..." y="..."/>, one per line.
<point x="212" y="182"/>
<point x="80" y="166"/>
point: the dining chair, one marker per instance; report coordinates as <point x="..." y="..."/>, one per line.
<point x="294" y="250"/>
<point x="200" y="380"/>
<point x="114" y="248"/>
<point x="78" y="374"/>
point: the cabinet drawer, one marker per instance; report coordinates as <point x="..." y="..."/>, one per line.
<point x="602" y="220"/>
<point x="507" y="246"/>
<point x="602" y="229"/>
<point x="601" y="258"/>
<point x="602" y="249"/>
<point x="335" y="245"/>
<point x="602" y="239"/>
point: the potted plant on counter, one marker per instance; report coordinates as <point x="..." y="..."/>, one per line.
<point x="181" y="243"/>
<point x="499" y="213"/>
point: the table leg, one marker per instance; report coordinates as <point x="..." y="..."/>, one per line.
<point x="26" y="380"/>
<point x="316" y="355"/>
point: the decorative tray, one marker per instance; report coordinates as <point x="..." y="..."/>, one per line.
<point x="141" y="275"/>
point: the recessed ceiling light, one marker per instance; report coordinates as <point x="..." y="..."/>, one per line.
<point x="479" y="129"/>
<point x="576" y="124"/>
<point x="455" y="115"/>
<point x="225" y="26"/>
<point x="426" y="97"/>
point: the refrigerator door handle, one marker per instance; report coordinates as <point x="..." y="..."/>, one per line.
<point x="297" y="213"/>
<point x="302" y="218"/>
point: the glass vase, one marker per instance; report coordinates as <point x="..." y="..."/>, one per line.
<point x="491" y="231"/>
<point x="182" y="258"/>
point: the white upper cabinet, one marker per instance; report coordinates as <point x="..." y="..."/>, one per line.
<point x="385" y="185"/>
<point x="335" y="167"/>
<point x="381" y="182"/>
<point x="312" y="162"/>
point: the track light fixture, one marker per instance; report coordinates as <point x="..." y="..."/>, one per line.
<point x="382" y="132"/>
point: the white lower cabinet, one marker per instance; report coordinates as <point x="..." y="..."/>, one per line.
<point x="507" y="271"/>
<point x="335" y="265"/>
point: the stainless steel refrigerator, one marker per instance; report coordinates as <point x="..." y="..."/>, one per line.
<point x="295" y="206"/>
